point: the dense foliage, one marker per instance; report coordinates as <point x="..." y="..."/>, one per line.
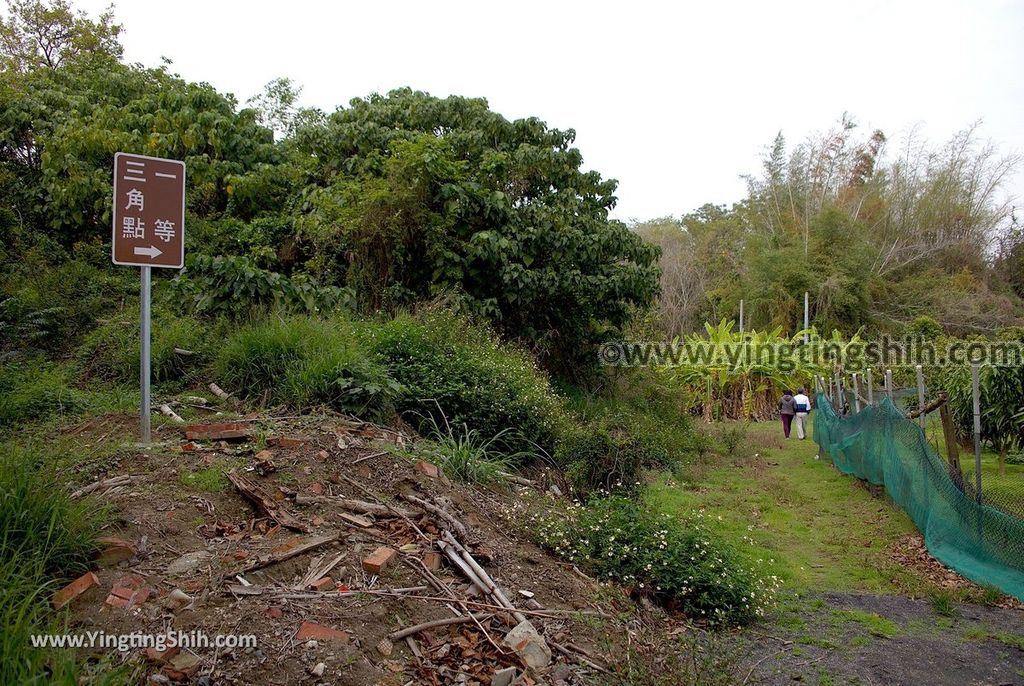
<point x="678" y="563"/>
<point x="394" y="200"/>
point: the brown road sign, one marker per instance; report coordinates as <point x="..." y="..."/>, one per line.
<point x="149" y="211"/>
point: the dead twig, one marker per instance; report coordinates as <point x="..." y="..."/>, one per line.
<point x="398" y="635"/>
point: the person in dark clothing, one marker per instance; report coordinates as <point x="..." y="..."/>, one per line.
<point x="787" y="408"/>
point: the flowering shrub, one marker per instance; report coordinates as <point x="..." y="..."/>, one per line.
<point x="679" y="564"/>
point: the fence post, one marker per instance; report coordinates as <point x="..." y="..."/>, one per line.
<point x="856" y="393"/>
<point x="888" y="384"/>
<point x="920" y="394"/>
<point x="741" y="318"/>
<point x="840" y="399"/>
<point x="976" y="392"/>
<point x="871" y="386"/>
<point x="952" y="449"/>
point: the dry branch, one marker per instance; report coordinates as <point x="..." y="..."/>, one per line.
<point x="360" y="506"/>
<point x="399" y="635"/>
<point x="273" y="558"/>
<point x="433" y="509"/>
<point x="108" y="483"/>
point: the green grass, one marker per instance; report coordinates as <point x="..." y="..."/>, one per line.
<point x="820" y="530"/>
<point x="211" y="479"/>
<point x="874" y="623"/>
<point x="45" y="539"/>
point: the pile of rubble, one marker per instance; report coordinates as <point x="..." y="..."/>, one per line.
<point x="344" y="562"/>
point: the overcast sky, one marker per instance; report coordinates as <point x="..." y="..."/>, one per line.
<point x="675" y="100"/>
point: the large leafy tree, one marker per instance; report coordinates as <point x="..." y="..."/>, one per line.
<point x="415" y="196"/>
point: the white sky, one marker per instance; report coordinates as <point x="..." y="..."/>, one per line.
<point x="674" y="99"/>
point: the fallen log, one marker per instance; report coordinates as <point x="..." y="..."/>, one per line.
<point x="265" y="503"/>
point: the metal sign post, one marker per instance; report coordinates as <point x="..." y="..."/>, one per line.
<point x="148" y="231"/>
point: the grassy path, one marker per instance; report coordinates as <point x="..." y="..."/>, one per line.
<point x="824" y="530"/>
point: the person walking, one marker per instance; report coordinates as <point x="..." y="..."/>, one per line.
<point x="787" y="408"/>
<point x="802" y="406"/>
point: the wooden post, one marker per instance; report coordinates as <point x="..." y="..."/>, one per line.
<point x="952" y="449"/>
<point x="888" y="384"/>
<point x="976" y="391"/>
<point x="871" y="386"/>
<point x="741" y="317"/>
<point x="920" y="394"/>
<point x="856" y="393"/>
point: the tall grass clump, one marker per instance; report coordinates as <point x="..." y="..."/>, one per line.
<point x="680" y="564"/>
<point x="45" y="539"/>
<point x="303" y="363"/>
<point x="466" y="455"/>
<point x="446" y="363"/>
<point x="110" y="352"/>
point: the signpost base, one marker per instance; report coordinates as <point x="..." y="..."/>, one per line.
<point x="144" y="372"/>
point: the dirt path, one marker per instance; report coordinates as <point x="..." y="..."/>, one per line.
<point x="848" y="638"/>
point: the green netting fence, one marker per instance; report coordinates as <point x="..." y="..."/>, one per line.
<point x="881" y="446"/>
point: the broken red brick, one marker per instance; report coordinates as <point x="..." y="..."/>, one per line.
<point x="273" y="612"/>
<point x="323" y="455"/>
<point x="189" y="446"/>
<point x="264" y="455"/>
<point x="286" y="441"/>
<point x="428" y="469"/>
<point x="319" y="632"/>
<point x="240" y="554"/>
<point x="117" y="550"/>
<point x="218" y="432"/>
<point x="380" y="559"/>
<point x="128" y="591"/>
<point x="322" y="584"/>
<point x="432" y="561"/>
<point x="74" y="589"/>
<point x="162" y="655"/>
<point x="316" y="488"/>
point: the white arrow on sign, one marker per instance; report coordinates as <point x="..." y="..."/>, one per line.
<point x="151" y="252"/>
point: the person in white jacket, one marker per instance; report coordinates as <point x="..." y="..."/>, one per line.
<point x="802" y="405"/>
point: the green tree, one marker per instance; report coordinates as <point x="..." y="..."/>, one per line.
<point x="416" y="196"/>
<point x="39" y="34"/>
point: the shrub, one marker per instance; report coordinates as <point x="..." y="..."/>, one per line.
<point x="446" y="363"/>
<point x="677" y="563"/>
<point x="35" y="390"/>
<point x="637" y="423"/>
<point x="305" y="362"/>
<point x="111" y="351"/>
<point x="597" y="459"/>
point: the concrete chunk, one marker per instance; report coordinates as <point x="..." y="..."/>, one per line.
<point x="528" y="645"/>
